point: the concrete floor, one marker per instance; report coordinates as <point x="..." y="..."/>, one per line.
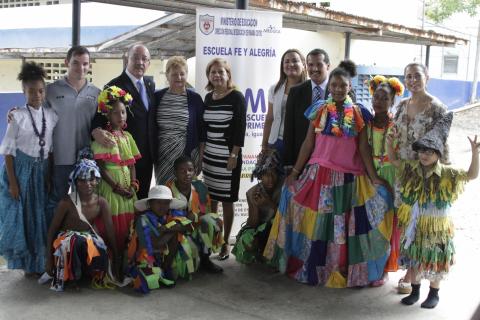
<point x="255" y="292"/>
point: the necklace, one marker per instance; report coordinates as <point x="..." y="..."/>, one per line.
<point x="381" y="155"/>
<point x="40" y="135"/>
<point x="116" y="134"/>
<point x="219" y="94"/>
<point x="342" y="122"/>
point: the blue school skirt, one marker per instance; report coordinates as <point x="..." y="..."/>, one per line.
<point x="24" y="222"/>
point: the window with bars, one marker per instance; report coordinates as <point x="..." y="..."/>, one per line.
<point x="360" y="86"/>
<point x="56" y="69"/>
<point x="450" y="64"/>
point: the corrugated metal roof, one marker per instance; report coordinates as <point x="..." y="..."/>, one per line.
<point x="174" y="33"/>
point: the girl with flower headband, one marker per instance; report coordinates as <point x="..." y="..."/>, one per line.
<point x="25" y="177"/>
<point x="119" y="184"/>
<point x="332" y="224"/>
<point x="383" y="91"/>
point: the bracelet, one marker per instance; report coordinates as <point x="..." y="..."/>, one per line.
<point x="116" y="187"/>
<point x="233" y="155"/>
<point x="135" y="185"/>
<point x="295" y="170"/>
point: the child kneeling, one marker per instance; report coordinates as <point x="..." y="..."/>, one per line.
<point x="160" y="249"/>
<point x="262" y="199"/>
<point x="74" y="248"/>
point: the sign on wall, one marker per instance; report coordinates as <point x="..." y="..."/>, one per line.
<point x="250" y="42"/>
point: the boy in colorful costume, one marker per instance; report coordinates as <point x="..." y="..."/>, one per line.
<point x="160" y="247"/>
<point x="428" y="190"/>
<point x="208" y="226"/>
<point x="263" y="199"/>
<point x="73" y="244"/>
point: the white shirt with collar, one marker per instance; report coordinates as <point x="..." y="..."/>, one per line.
<point x="134" y="79"/>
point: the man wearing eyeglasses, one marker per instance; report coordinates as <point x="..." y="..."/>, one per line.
<point x="141" y="87"/>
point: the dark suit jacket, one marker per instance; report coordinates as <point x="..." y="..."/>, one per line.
<point x="296" y="124"/>
<point x="137" y="117"/>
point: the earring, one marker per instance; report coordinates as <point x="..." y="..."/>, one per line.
<point x="109" y="126"/>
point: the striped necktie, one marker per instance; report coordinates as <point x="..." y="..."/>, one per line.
<point x="143" y="93"/>
<point x="317" y="94"/>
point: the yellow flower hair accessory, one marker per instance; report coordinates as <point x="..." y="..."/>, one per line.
<point x="393" y="82"/>
<point x="109" y="96"/>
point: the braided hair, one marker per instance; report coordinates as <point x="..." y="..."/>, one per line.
<point x="267" y="161"/>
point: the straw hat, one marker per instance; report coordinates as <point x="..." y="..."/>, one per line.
<point x="161" y="193"/>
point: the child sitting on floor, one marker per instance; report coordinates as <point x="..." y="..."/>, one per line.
<point x="262" y="202"/>
<point x="428" y="190"/>
<point x="159" y="248"/>
<point x="73" y="245"/>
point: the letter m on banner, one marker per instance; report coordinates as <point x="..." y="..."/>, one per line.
<point x="255" y="102"/>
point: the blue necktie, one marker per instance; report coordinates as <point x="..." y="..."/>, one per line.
<point x="143" y="93"/>
<point x="317" y="94"/>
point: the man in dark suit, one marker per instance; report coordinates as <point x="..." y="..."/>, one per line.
<point x="141" y="88"/>
<point x="299" y="99"/>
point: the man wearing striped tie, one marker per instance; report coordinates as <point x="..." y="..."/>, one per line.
<point x="299" y="99"/>
<point x="141" y="87"/>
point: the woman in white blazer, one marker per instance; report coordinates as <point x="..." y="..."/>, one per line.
<point x="292" y="72"/>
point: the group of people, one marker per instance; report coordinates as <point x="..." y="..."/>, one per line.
<point x="343" y="196"/>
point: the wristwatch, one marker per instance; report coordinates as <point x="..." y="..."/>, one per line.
<point x="233" y="155"/>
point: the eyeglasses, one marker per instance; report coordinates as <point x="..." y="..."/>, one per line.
<point x="427" y="152"/>
<point x="141" y="58"/>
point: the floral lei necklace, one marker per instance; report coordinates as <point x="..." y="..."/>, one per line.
<point x="342" y="123"/>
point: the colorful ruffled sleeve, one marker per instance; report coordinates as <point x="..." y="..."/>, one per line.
<point x="452" y="183"/>
<point x="106" y="154"/>
<point x="361" y="117"/>
<point x="317" y="114"/>
<point x="135" y="153"/>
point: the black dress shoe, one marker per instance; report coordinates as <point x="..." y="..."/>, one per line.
<point x="210" y="267"/>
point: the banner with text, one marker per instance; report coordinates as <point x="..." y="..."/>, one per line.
<point x="250" y="42"/>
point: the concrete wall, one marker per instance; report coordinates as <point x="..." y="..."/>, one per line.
<point x="9" y="69"/>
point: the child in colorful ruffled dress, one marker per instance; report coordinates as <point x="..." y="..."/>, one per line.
<point x="160" y="249"/>
<point x="73" y="245"/>
<point x="332" y="224"/>
<point x="25" y="176"/>
<point x="428" y="190"/>
<point x="383" y="91"/>
<point x="207" y="225"/>
<point x="119" y="184"/>
<point x="262" y="199"/>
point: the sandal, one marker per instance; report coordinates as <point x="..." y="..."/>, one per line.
<point x="224" y="253"/>
<point x="404" y="287"/>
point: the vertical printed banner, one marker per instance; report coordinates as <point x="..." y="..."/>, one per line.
<point x="250" y="42"/>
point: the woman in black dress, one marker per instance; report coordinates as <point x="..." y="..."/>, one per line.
<point x="225" y="122"/>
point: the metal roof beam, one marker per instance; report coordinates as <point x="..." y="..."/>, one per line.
<point x="138" y="31"/>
